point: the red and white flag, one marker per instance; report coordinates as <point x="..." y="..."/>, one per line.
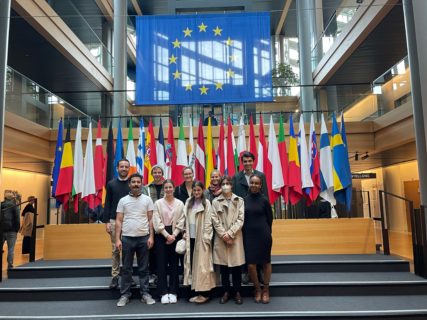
<point x="241" y="141"/>
<point x="263" y="164"/>
<point x="274" y="167"/>
<point x="99" y="166"/>
<point x="231" y="150"/>
<point x="88" y="192"/>
<point x="221" y="148"/>
<point x="252" y="141"/>
<point x="200" y="154"/>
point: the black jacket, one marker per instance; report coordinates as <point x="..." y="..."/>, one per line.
<point x="9" y="218"/>
<point x="240" y="185"/>
<point x="181" y="193"/>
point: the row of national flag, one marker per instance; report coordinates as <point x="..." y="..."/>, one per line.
<point x="294" y="171"/>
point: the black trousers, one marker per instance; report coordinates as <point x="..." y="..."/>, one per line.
<point x="167" y="264"/>
<point x="236" y="273"/>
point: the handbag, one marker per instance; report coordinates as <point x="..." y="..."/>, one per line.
<point x="181" y="246"/>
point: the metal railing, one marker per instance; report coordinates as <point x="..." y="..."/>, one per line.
<point x="385" y="221"/>
<point x="33" y="234"/>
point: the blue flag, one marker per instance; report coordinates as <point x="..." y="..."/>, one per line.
<point x="341" y="166"/>
<point x="57" y="162"/>
<point x="119" y="149"/>
<point x="215" y="58"/>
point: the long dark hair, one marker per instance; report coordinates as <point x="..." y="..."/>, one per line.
<point x="192" y="199"/>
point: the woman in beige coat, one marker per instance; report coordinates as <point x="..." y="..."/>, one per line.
<point x="198" y="265"/>
<point x="227" y="218"/>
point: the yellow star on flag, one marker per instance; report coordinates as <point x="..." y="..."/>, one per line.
<point x="203" y="90"/>
<point x="176" y="44"/>
<point x="230" y="73"/>
<point x="229" y="42"/>
<point x="218" y="86"/>
<point x="217" y="31"/>
<point x="172" y="59"/>
<point x="189" y="87"/>
<point x="176" y="75"/>
<point x="202" y="27"/>
<point x="187" y="32"/>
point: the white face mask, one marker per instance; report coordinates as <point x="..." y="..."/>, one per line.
<point x="226" y="188"/>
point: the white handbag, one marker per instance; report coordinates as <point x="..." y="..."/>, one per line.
<point x="180" y="246"/>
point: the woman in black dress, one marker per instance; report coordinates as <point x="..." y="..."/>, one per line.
<point x="257" y="237"/>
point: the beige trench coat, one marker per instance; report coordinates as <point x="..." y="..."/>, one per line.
<point x="228" y="219"/>
<point x="27" y="225"/>
<point x="200" y="274"/>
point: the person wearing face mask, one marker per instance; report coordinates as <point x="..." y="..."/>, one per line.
<point x="227" y="220"/>
<point x="257" y="238"/>
<point x="167" y="213"/>
<point x="198" y="265"/>
<point x="214" y="189"/>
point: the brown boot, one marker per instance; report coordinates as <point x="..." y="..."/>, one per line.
<point x="257" y="295"/>
<point x="265" y="294"/>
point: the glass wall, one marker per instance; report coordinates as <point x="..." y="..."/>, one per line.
<point x="31" y="101"/>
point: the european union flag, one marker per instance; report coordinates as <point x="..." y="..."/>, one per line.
<point x="215" y="58"/>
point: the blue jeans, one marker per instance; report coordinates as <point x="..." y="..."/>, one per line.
<point x="130" y="247"/>
<point x="10" y="238"/>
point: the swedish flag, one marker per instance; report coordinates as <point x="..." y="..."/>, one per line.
<point x="341" y="165"/>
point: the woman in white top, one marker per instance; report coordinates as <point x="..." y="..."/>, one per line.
<point x="198" y="265"/>
<point x="166" y="214"/>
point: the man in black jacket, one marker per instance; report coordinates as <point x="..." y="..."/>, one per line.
<point x="116" y="189"/>
<point x="241" y="179"/>
<point x="10" y="224"/>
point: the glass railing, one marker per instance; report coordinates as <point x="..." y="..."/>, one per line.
<point x="31" y="101"/>
<point x="79" y="24"/>
<point x="362" y="102"/>
<point x="336" y="25"/>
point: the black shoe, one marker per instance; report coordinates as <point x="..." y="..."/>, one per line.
<point x="224" y="298"/>
<point x="114" y="284"/>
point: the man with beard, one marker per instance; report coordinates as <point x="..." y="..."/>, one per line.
<point x="134" y="235"/>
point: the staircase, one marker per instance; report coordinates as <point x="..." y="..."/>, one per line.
<point x="302" y="287"/>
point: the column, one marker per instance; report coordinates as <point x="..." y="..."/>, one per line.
<point x="120" y="46"/>
<point x="306" y="20"/>
<point x="4" y="41"/>
<point x="416" y="41"/>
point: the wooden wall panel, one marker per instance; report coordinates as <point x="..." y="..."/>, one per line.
<point x="323" y="236"/>
<point x="303" y="236"/>
<point x="76" y="241"/>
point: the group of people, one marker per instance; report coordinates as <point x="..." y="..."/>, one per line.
<point x="225" y="227"/>
<point x="11" y="224"/>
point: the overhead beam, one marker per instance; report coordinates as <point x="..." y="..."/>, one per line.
<point x="106" y="8"/>
<point x="283" y="16"/>
<point x="136" y="7"/>
<point x="40" y="15"/>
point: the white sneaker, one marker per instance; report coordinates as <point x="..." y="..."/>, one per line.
<point x="165" y="299"/>
<point x="172" y="298"/>
<point x="146" y="298"/>
<point x="124" y="300"/>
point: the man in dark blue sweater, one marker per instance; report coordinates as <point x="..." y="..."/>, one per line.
<point x="117" y="188"/>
